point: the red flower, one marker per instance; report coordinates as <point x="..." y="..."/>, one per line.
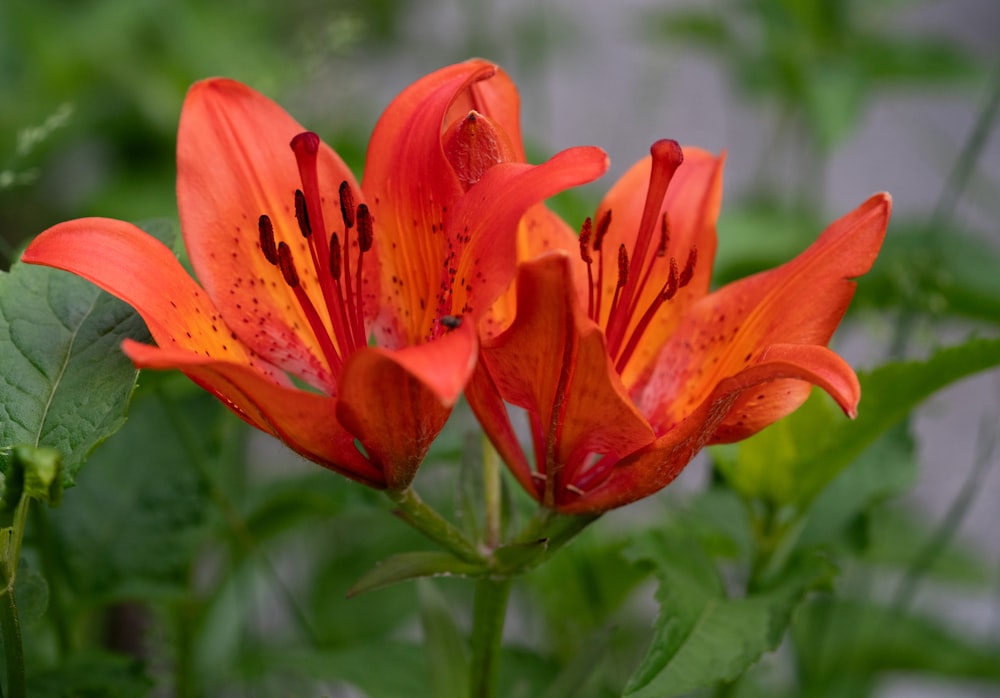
<point x="626" y="365"/>
<point x="299" y="266"/>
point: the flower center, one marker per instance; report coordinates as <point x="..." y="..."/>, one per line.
<point x="631" y="308"/>
<point x="339" y="324"/>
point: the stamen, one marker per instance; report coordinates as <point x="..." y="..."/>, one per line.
<point x="622" y="281"/>
<point x="688" y="272"/>
<point x="585" y="233"/>
<point x="602" y="230"/>
<point x="287" y="266"/>
<point x="302" y="214"/>
<point x="347" y="204"/>
<point x="673" y="283"/>
<point x="365" y="228"/>
<point x="334" y="257"/>
<point x="267" y="245"/>
<point x="664" y="235"/>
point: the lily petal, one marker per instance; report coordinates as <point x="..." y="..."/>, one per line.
<point x="730" y="330"/>
<point x="491" y="256"/>
<point x="554" y="363"/>
<point x="234" y="163"/>
<point x="409" y="183"/>
<point x="395" y="403"/>
<point x="137" y="268"/>
<point x="304" y="421"/>
<point x="650" y="469"/>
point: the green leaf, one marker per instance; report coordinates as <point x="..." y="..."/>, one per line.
<point x="888" y="468"/>
<point x="414" y="565"/>
<point x="842" y="637"/>
<point x="702" y="636"/>
<point x="792" y="461"/>
<point x="64" y="382"/>
<point x="132" y="526"/>
<point x="387" y="669"/>
<point x="447" y="659"/>
<point x="92" y="674"/>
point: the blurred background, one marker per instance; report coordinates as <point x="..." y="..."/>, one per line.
<point x="818" y="104"/>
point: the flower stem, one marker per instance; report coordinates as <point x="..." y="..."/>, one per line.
<point x="420" y="516"/>
<point x="488" y="615"/>
<point x="491" y="494"/>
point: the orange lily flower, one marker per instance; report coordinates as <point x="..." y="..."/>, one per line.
<point x="626" y="365"/>
<point x="330" y="315"/>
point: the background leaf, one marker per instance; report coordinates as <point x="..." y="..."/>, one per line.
<point x="64" y="382"/>
<point x="704" y="636"/>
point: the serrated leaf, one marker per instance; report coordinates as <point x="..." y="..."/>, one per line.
<point x="802" y="453"/>
<point x="414" y="565"/>
<point x="64" y="383"/>
<point x="702" y="636"/>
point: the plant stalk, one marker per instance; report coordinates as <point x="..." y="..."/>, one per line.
<point x="488" y="616"/>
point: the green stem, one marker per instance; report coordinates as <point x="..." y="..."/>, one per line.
<point x="491" y="494"/>
<point x="12" y="649"/>
<point x="488" y="615"/>
<point x="420" y="516"/>
<point x="10" y="626"/>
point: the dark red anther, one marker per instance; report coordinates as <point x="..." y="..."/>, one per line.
<point x="335" y="257"/>
<point x="347" y="205"/>
<point x="622" y="266"/>
<point x="286" y="265"/>
<point x="688" y="272"/>
<point x="664" y="235"/>
<point x="585" y="233"/>
<point x="602" y="230"/>
<point x="267" y="245"/>
<point x="302" y="213"/>
<point x="673" y="281"/>
<point x="366" y="231"/>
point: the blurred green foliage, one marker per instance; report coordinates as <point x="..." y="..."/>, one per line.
<point x="192" y="558"/>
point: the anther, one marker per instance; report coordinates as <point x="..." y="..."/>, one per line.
<point x="602" y="230"/>
<point x="585" y="233"/>
<point x="688" y="272"/>
<point x="664" y="235"/>
<point x="451" y="322"/>
<point x="287" y="266"/>
<point x="302" y="213"/>
<point x="365" y="228"/>
<point x="622" y="265"/>
<point x="267" y="245"/>
<point x="670" y="290"/>
<point x="335" y="257"/>
<point x="347" y="204"/>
